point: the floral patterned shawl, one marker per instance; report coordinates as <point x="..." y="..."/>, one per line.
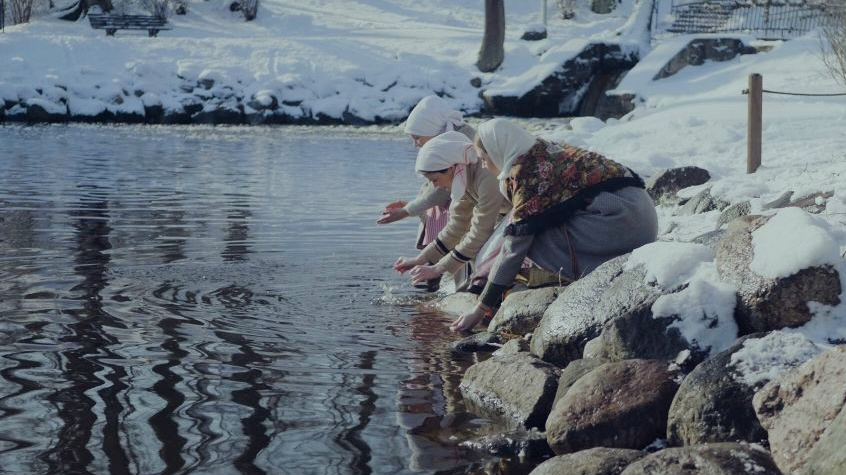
<point x="551" y="181"/>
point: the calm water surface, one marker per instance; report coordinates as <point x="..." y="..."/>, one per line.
<point x="218" y="301"/>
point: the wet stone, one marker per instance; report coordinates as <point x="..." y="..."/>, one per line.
<point x="477" y="342"/>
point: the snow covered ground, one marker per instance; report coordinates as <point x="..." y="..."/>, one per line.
<point x="377" y="58"/>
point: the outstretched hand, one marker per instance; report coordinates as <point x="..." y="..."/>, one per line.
<point x="404" y="264"/>
<point x="396" y="204"/>
<point x="391" y="215"/>
<point x="423" y="273"/>
<point x="467" y="321"/>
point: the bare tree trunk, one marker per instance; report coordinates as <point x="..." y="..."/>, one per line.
<point x="492" y="52"/>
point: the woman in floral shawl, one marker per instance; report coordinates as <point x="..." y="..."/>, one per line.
<point x="572" y="211"/>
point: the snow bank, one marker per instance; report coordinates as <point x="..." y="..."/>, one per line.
<point x="669" y="264"/>
<point x="790" y="241"/>
<point x="705" y="310"/>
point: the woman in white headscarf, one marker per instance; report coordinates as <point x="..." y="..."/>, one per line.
<point x="449" y="162"/>
<point x="572" y="210"/>
<point x="431" y="117"/>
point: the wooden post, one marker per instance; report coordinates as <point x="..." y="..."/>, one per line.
<point x="543" y="12"/>
<point x="753" y="144"/>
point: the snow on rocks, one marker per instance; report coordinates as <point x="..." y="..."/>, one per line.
<point x="803" y="271"/>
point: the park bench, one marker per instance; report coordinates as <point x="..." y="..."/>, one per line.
<point x="113" y="23"/>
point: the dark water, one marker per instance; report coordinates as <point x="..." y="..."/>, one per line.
<point x="217" y="301"/>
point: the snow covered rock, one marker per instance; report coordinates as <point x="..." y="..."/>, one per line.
<point x="663" y="185"/>
<point x="804" y="413"/>
<point x="519" y="388"/>
<point x="42" y="110"/>
<point x="702" y="203"/>
<point x="639" y="335"/>
<point x="620" y="405"/>
<point x="556" y="86"/>
<point x="712" y="405"/>
<point x="700" y="50"/>
<point x="603" y="6"/>
<point x="733" y="212"/>
<point x="709" y="459"/>
<point x="534" y="33"/>
<point x="521" y="312"/>
<point x="598" y="461"/>
<point x="777" y="268"/>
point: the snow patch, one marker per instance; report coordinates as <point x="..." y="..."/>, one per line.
<point x="790" y="241"/>
<point x="764" y="359"/>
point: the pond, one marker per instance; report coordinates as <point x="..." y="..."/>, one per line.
<point x="218" y="301"/>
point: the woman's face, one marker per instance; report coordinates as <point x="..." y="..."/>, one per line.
<point x="441" y="180"/>
<point x="420" y="140"/>
<point x="486" y="160"/>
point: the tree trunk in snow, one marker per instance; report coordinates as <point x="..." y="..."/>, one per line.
<point x="492" y="52"/>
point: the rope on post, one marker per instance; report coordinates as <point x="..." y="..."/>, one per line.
<point x="753" y="140"/>
<point x="755" y="117"/>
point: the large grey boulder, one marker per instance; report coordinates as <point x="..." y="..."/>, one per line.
<point x="770" y="304"/>
<point x="700" y="50"/>
<point x="709" y="459"/>
<point x="714" y="402"/>
<point x="712" y="405"/>
<point x="519" y="388"/>
<point x="573" y="372"/>
<point x="620" y="405"/>
<point x="580" y="312"/>
<point x="804" y="413"/>
<point x="663" y="185"/>
<point x="521" y="312"/>
<point x="828" y="457"/>
<point x="561" y="93"/>
<point x="639" y="335"/>
<point x="598" y="461"/>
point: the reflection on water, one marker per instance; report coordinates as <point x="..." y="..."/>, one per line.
<point x="216" y="301"/>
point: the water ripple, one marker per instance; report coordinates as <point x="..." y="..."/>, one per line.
<point x="216" y="301"/>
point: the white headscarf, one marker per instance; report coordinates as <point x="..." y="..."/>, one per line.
<point x="444" y="151"/>
<point x="432" y="116"/>
<point x="504" y="141"/>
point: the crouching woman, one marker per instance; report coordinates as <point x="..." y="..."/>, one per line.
<point x="449" y="161"/>
<point x="572" y="211"/>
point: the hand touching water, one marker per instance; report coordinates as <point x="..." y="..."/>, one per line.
<point x="423" y="273"/>
<point x="404" y="264"/>
<point x="393" y="212"/>
<point x="467" y="321"/>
